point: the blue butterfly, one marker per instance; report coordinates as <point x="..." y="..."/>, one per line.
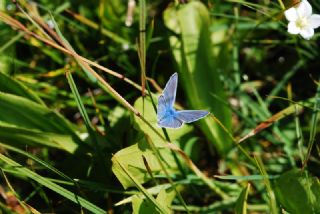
<point x="168" y="117"/>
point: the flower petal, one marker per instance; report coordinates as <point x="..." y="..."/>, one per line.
<point x="304" y="9"/>
<point x="307" y="33"/>
<point x="293" y="29"/>
<point x="314" y="21"/>
<point x="291" y="14"/>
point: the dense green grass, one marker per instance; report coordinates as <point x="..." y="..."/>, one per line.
<point x="78" y="96"/>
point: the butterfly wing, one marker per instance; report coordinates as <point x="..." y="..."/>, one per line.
<point x="167" y="116"/>
<point x="165" y="104"/>
<point x="170" y="121"/>
<point x="189" y="116"/>
<point x="162" y="107"/>
<point x="170" y="90"/>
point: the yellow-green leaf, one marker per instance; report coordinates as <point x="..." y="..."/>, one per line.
<point x="192" y="50"/>
<point x="131" y="158"/>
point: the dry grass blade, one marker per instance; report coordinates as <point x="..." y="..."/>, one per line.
<point x="82" y="202"/>
<point x="276" y="117"/>
<point x="12" y="198"/>
<point x="12" y="22"/>
<point x="154" y="84"/>
<point x="95" y="26"/>
<point x="19" y="26"/>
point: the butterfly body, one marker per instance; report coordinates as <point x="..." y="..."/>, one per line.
<point x="168" y="117"/>
<point x="169" y="113"/>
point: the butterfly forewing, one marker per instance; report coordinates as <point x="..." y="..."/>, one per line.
<point x="189" y="116"/>
<point x="161" y="108"/>
<point x="170" y="90"/>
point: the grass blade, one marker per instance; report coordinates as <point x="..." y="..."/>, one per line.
<point x="50" y="185"/>
<point x="139" y="186"/>
<point x="276" y="117"/>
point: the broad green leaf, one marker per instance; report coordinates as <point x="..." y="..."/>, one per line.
<point x="298" y="192"/>
<point x="24" y="113"/>
<point x="24" y="122"/>
<point x="155" y="190"/>
<point x="141" y="206"/>
<point x="37" y="160"/>
<point x="138" y="185"/>
<point x="49" y="184"/>
<point x="241" y="204"/>
<point x="166" y="197"/>
<point x="19" y="137"/>
<point x="11" y="86"/>
<point x="145" y="107"/>
<point x="194" y="57"/>
<point x="131" y="158"/>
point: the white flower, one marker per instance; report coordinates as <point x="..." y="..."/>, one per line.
<point x="50" y="24"/>
<point x="301" y="20"/>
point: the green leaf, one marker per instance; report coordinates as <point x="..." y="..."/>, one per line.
<point x="79" y="102"/>
<point x="11" y="86"/>
<point x="241" y="204"/>
<point x="145" y="107"/>
<point x="25" y="122"/>
<point x="19" y="137"/>
<point x="138" y="185"/>
<point x="36" y="159"/>
<point x="131" y="158"/>
<point x="298" y="192"/>
<point x="165" y="198"/>
<point x="192" y="149"/>
<point x="7" y="49"/>
<point x="24" y="113"/>
<point x="152" y="190"/>
<point x="245" y="177"/>
<point x="194" y="57"/>
<point x="54" y="187"/>
<point x="141" y="206"/>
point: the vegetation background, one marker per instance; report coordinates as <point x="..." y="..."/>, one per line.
<point x="79" y="82"/>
